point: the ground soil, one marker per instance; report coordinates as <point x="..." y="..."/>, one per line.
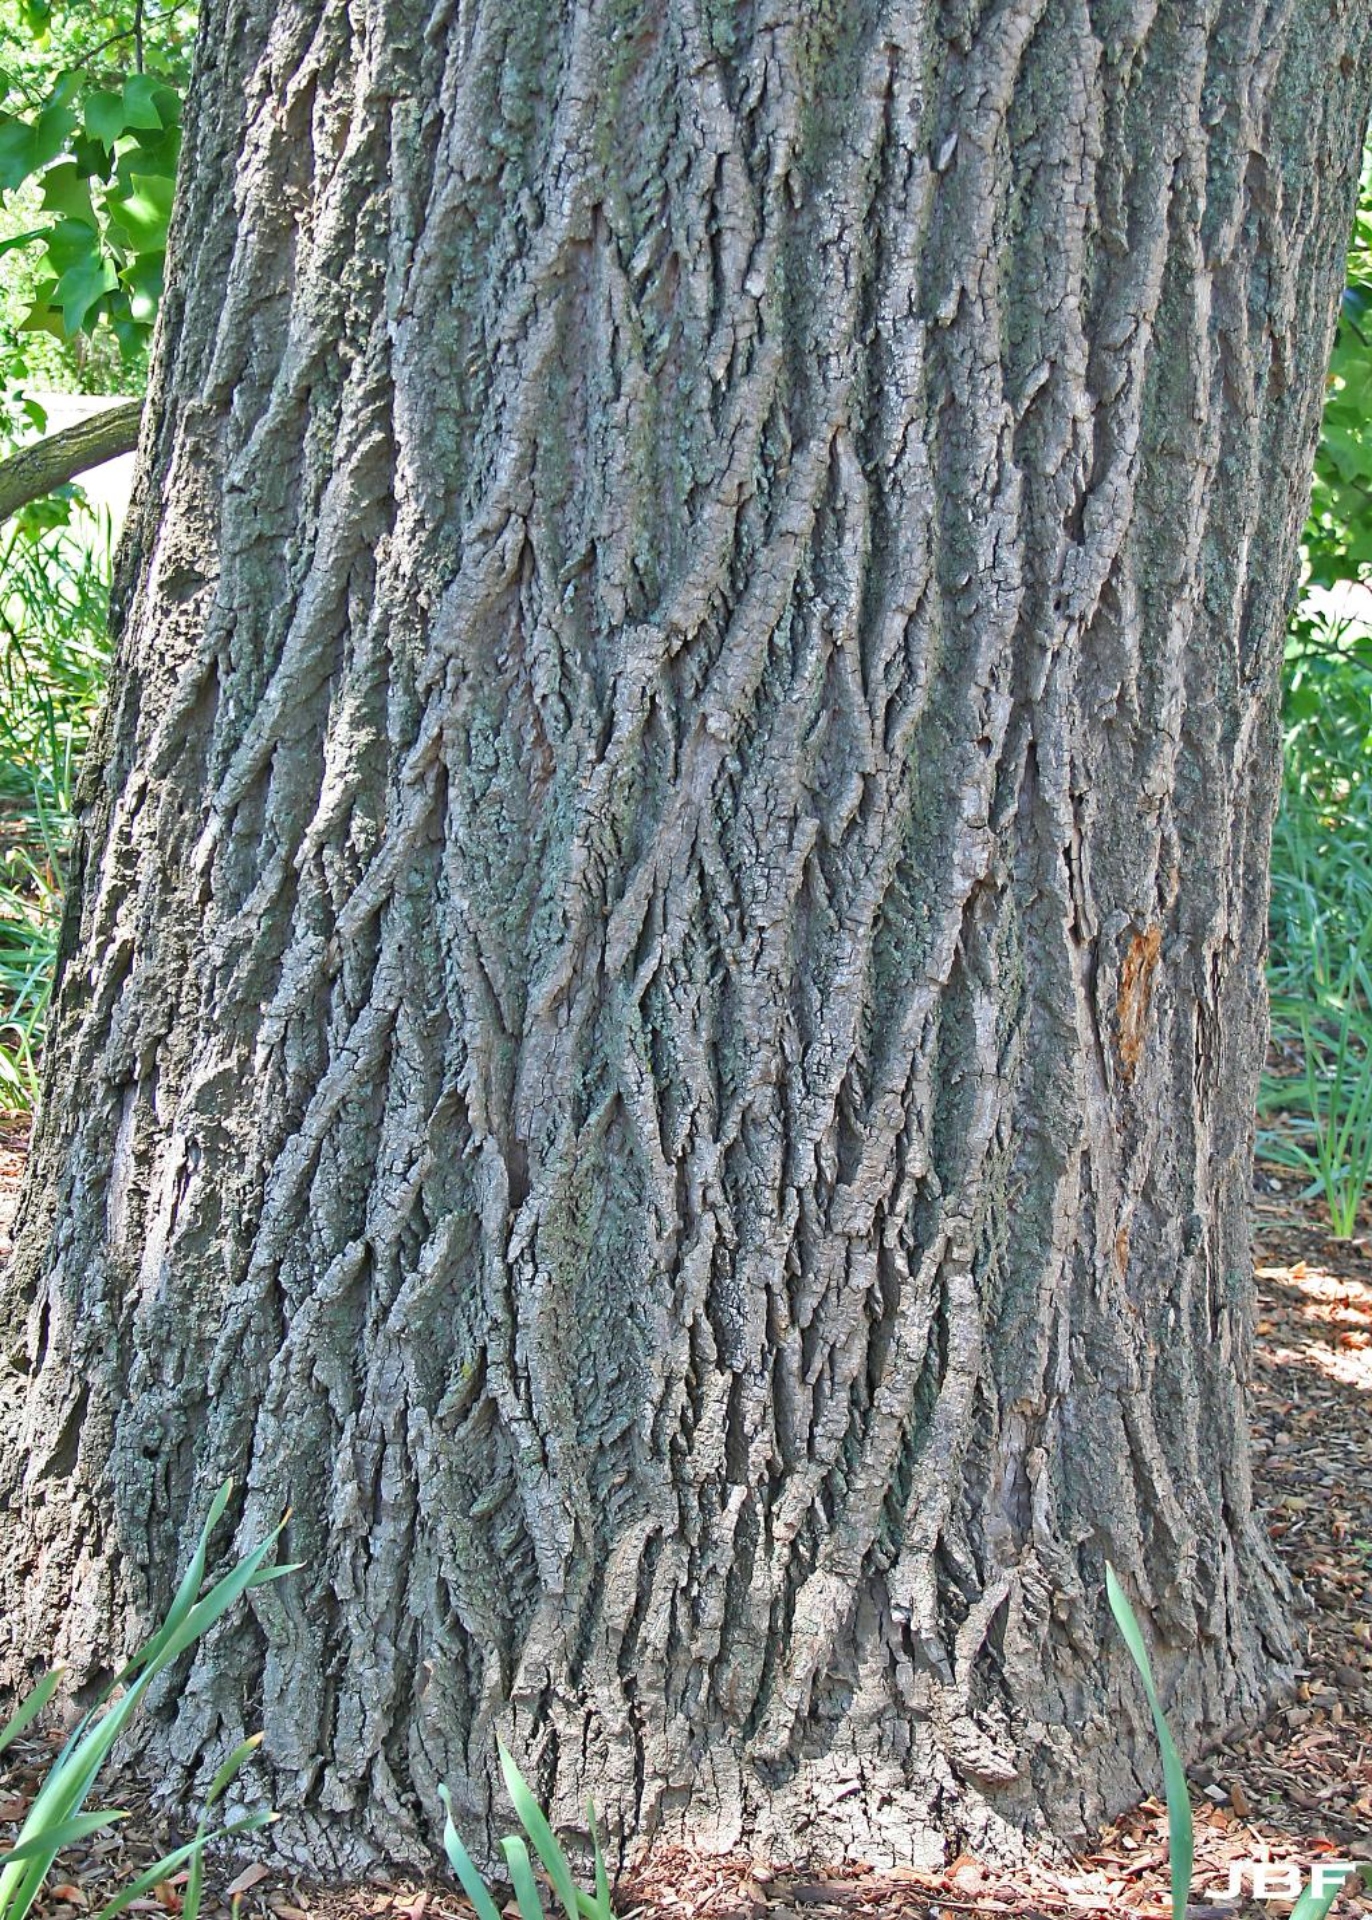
<point x="1297" y="1789"/>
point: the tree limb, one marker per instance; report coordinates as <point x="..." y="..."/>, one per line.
<point x="48" y="463"/>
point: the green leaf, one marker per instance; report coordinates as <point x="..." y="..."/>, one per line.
<point x="66" y="190"/>
<point x="54" y="124"/>
<point x="598" y="1908"/>
<point x="1315" y="1906"/>
<point x="41" y="316"/>
<point x="143" y="280"/>
<point x="52" y="1839"/>
<point x="155" y="156"/>
<point x="232" y="1766"/>
<point x="91" y="158"/>
<point x="140" y="101"/>
<point x="184" y="1598"/>
<point x="1180" y="1832"/>
<point x="132" y="335"/>
<point x="168" y="102"/>
<point x="23" y="239"/>
<point x="151" y="1877"/>
<point x="195" y="1881"/>
<point x="602" y="1881"/>
<point x="73" y="1772"/>
<point x="70" y="241"/>
<point x="82" y="286"/>
<point x="142" y="213"/>
<point x="17" y="152"/>
<point x="103" y="114"/>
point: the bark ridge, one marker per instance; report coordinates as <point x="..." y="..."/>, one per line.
<point x="664" y="979"/>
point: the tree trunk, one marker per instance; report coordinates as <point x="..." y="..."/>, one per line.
<point x="664" y="978"/>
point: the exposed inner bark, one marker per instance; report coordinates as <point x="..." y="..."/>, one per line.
<point x="664" y="981"/>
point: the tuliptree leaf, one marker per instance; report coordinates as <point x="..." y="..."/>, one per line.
<point x="132" y="335"/>
<point x="140" y="101"/>
<point x="103" y="114"/>
<point x="82" y="287"/>
<point x="67" y="190"/>
<point x="17" y="160"/>
<point x="142" y="213"/>
<point x="51" y="130"/>
<point x="91" y="158"/>
<point x="23" y="239"/>
<point x="42" y="316"/>
<point x="142" y="279"/>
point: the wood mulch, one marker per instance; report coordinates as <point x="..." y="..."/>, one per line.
<point x="1297" y="1789"/>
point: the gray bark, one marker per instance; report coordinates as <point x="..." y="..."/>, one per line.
<point x="664" y="979"/>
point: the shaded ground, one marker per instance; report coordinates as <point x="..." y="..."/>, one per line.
<point x="1298" y="1789"/>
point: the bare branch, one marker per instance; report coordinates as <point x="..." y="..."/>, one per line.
<point x="48" y="463"/>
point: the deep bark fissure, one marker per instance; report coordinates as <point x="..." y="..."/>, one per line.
<point x="664" y="979"/>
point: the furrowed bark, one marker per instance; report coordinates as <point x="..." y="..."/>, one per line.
<point x="663" y="987"/>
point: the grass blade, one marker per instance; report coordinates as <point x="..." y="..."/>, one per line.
<point x="602" y="1881"/>
<point x="1316" y="1906"/>
<point x="522" y="1877"/>
<point x="1180" y="1831"/>
<point x="232" y="1766"/>
<point x="65" y="1835"/>
<point x="536" y="1826"/>
<point x="464" y="1866"/>
<point x="33" y="1705"/>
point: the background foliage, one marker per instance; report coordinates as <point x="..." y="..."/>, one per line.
<point x="90" y="109"/>
<point x="1317" y="1102"/>
<point x="1338" y="536"/>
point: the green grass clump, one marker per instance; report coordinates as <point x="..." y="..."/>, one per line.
<point x="1317" y="1105"/>
<point x="576" y="1905"/>
<point x="57" y="1818"/>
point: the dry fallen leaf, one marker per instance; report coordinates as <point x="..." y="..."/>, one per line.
<point x="250" y="1877"/>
